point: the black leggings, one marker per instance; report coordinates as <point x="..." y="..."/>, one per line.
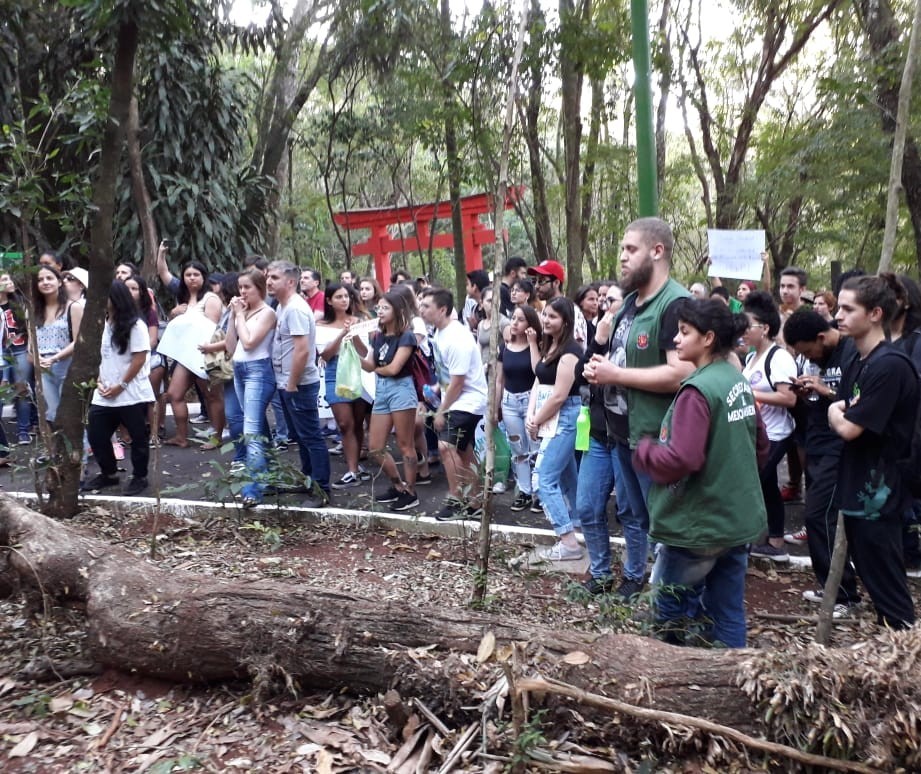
<point x="773" y="502"/>
<point x="104" y="420"/>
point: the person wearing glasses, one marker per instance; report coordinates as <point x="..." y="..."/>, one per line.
<point x="548" y="278"/>
<point x="771" y="371"/>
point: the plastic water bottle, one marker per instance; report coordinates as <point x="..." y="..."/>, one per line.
<point x="583" y="425"/>
<point x="431" y="396"/>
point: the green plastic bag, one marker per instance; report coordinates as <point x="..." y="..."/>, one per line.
<point x="503" y="450"/>
<point x="348" y="372"/>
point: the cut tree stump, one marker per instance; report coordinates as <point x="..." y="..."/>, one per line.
<point x="191" y="628"/>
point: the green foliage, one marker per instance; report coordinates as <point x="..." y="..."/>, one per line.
<point x="270" y="536"/>
<point x="531" y="736"/>
<point x="194" y="127"/>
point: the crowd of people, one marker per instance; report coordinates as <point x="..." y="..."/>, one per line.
<point x="693" y="401"/>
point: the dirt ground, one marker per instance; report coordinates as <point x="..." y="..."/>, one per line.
<point x="119" y="722"/>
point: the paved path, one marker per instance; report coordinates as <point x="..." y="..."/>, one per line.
<point x="195" y="475"/>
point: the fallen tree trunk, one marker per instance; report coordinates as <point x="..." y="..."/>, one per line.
<point x="186" y="627"/>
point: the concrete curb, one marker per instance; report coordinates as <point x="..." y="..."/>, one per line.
<point x="194" y="510"/>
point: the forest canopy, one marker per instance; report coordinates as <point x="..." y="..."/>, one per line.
<point x="251" y="137"/>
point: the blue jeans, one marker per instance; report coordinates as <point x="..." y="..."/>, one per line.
<point x="19" y="373"/>
<point x="281" y="423"/>
<point x="598" y="472"/>
<point x="52" y="386"/>
<point x="635" y="520"/>
<point x="254" y="383"/>
<point x="557" y="476"/>
<point x="706" y="586"/>
<point x="303" y="417"/>
<point x="524" y="450"/>
<point x="233" y="413"/>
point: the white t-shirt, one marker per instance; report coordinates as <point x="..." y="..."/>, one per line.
<point x="777" y="420"/>
<point x="115" y="365"/>
<point x="294" y="318"/>
<point x="458" y="354"/>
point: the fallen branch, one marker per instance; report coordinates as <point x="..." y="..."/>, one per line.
<point x="459" y="748"/>
<point x="545" y="685"/>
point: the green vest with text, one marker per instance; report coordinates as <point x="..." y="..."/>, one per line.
<point x="646" y="409"/>
<point x="720" y="505"/>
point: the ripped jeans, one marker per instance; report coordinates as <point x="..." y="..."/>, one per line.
<point x="524" y="450"/>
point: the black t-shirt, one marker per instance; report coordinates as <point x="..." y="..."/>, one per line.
<point x="910" y="344"/>
<point x="883" y="396"/>
<point x="516" y="369"/>
<point x="615" y="398"/>
<point x="385" y="348"/>
<point x="505" y="300"/>
<point x="546" y="372"/>
<point x="821" y="440"/>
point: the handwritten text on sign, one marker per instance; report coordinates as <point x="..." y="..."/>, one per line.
<point x="736" y="254"/>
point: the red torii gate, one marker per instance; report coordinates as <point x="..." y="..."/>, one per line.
<point x="381" y="244"/>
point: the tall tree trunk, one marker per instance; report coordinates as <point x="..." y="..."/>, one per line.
<point x="543" y="234"/>
<point x="588" y="173"/>
<point x="140" y="194"/>
<point x="84" y="367"/>
<point x="665" y="86"/>
<point x="883" y="33"/>
<point x="455" y="173"/>
<point x="286" y="95"/>
<point x="571" y="76"/>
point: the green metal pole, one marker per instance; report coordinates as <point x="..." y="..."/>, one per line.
<point x="645" y="133"/>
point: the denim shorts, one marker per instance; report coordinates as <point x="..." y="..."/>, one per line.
<point x="394" y="394"/>
<point x="329" y="376"/>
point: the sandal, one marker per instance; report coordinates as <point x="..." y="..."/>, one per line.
<point x="211" y="444"/>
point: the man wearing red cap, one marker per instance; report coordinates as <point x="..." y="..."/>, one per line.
<point x="550" y="276"/>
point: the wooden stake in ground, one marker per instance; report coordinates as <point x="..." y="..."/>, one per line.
<point x="832" y="584"/>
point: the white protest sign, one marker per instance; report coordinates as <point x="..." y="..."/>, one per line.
<point x="365" y="328"/>
<point x="181" y="339"/>
<point x="736" y="254"/>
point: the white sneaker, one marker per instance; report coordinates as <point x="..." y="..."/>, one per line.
<point x="498" y="487"/>
<point x="199" y="420"/>
<point x="813" y="596"/>
<point x="560" y="552"/>
<point x="843" y="611"/>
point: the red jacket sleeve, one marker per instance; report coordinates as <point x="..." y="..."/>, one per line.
<point x="686" y="450"/>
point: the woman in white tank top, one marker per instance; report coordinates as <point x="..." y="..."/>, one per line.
<point x="252" y="321"/>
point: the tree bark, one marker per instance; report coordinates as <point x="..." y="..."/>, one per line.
<point x="903" y="173"/>
<point x="452" y="158"/>
<point x="185" y="627"/>
<point x="543" y="232"/>
<point x="588" y="175"/>
<point x="64" y="482"/>
<point x="571" y="77"/>
<point x="140" y="195"/>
